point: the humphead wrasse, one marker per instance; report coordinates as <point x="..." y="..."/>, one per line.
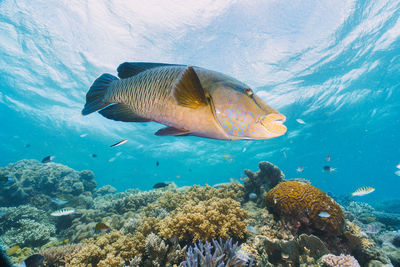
<point x="188" y="100"/>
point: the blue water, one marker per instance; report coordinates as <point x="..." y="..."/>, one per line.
<point x="334" y="66"/>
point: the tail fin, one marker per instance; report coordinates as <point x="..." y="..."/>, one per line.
<point x="95" y="97"/>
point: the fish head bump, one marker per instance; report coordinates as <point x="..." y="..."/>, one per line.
<point x="243" y="115"/>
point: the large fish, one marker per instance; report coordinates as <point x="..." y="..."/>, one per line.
<point x="189" y="100"/>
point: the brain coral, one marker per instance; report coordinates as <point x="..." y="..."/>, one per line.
<point x="302" y="204"/>
<point x="206" y="220"/>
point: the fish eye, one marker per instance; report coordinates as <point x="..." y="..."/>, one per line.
<point x="248" y="91"/>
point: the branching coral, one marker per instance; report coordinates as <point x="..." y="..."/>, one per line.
<point x="205" y="220"/>
<point x="172" y="200"/>
<point x="112" y="248"/>
<point x="306" y="208"/>
<point x="221" y="254"/>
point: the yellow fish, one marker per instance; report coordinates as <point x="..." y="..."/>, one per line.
<point x="13" y="250"/>
<point x="188" y="100"/>
<point x="363" y="191"/>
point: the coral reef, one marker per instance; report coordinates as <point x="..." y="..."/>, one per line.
<point x="155" y="228"/>
<point x="221" y="254"/>
<point x="261" y="181"/>
<point x="342" y="260"/>
<point x="205" y="220"/>
<point x="302" y="204"/>
<point x="30" y="178"/>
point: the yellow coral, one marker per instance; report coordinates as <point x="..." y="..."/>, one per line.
<point x="205" y="220"/>
<point x="304" y="203"/>
<point x="111" y="249"/>
<point x="172" y="200"/>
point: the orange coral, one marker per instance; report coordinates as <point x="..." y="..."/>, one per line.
<point x="205" y="220"/>
<point x="302" y="204"/>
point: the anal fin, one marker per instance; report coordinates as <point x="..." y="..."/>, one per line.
<point x="121" y="112"/>
<point x="171" y="131"/>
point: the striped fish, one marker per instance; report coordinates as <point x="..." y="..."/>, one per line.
<point x="63" y="212"/>
<point x="363" y="191"/>
<point x="188" y="100"/>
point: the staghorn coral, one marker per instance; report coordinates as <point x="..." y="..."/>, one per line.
<point x="342" y="260"/>
<point x="221" y="254"/>
<point x="300" y="204"/>
<point x="263" y="180"/>
<point x="55" y="256"/>
<point x="205" y="220"/>
<point x="32" y="177"/>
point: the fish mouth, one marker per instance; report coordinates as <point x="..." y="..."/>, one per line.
<point x="274" y="123"/>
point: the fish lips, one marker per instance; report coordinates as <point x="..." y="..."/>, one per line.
<point x="274" y="123"/>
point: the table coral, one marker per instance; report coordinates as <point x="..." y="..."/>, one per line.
<point x="301" y="205"/>
<point x="205" y="220"/>
<point x="261" y="181"/>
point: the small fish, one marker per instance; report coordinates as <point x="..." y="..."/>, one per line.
<point x="157" y="163"/>
<point x="112" y="159"/>
<point x="300" y="121"/>
<point x="101" y="228"/>
<point x="161" y="185"/>
<point x="59" y="201"/>
<point x="5" y="178"/>
<point x="48" y="159"/>
<point x="324" y="214"/>
<point x="13" y="250"/>
<point x="363" y="191"/>
<point x="34" y="260"/>
<point x="63" y="212"/>
<point x="398" y="166"/>
<point x="252" y="196"/>
<point x="252" y="229"/>
<point x="94" y="156"/>
<point x="228" y="157"/>
<point x="373" y="228"/>
<point x="242" y="177"/>
<point x="189" y="100"/>
<point x="284" y="154"/>
<point x="329" y="169"/>
<point x="300" y="169"/>
<point x="83" y="135"/>
<point x="120" y="143"/>
<point x="397" y="173"/>
<point x="244" y="149"/>
<point x="328" y="158"/>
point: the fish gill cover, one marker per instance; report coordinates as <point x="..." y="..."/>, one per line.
<point x="331" y="69"/>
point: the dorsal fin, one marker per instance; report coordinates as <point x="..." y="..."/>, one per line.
<point x="188" y="91"/>
<point x="129" y="69"/>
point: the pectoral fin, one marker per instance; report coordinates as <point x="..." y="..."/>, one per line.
<point x="188" y="91"/>
<point x="121" y="112"/>
<point x="171" y="131"/>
